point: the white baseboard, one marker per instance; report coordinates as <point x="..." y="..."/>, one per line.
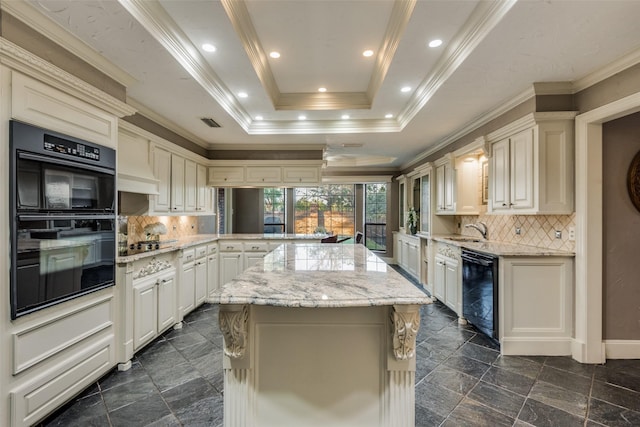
<point x="622" y="349"/>
<point x="535" y="346"/>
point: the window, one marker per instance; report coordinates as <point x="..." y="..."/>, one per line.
<point x="327" y="209"/>
<point x="375" y="216"/>
<point x="275" y="202"/>
<point x="222" y="217"/>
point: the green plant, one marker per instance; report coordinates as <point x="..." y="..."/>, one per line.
<point x="412" y="218"/>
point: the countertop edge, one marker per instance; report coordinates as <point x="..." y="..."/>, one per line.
<point x="505" y="249"/>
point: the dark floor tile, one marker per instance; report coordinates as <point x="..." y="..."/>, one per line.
<point x="208" y="363"/>
<point x="437" y="399"/>
<point x="566" y="363"/>
<point x="538" y="359"/>
<point x="485" y="341"/>
<point x="611" y="415"/>
<point x="566" y="380"/>
<point x="140" y="413"/>
<point x="125" y="394"/>
<point x="616" y="395"/>
<point x="159" y="360"/>
<point x="203" y="314"/>
<point x="181" y="342"/>
<point x="478" y="352"/>
<point x="88" y="411"/>
<point x="467" y="365"/>
<point x="116" y="378"/>
<point x="183" y="395"/>
<point x="519" y="365"/>
<point x="508" y="379"/>
<point x="166" y="421"/>
<point x="199" y="350"/>
<point x="540" y="415"/>
<point x="203" y="412"/>
<point x="497" y="398"/>
<point x="424" y="365"/>
<point x="472" y="413"/>
<point x="427" y="418"/>
<point x="622" y="378"/>
<point x="90" y="391"/>
<point x="436" y="352"/>
<point x="457" y="332"/>
<point x="169" y="378"/>
<point x="574" y="403"/>
<point x="452" y="380"/>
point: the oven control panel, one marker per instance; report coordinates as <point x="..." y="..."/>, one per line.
<point x="71" y="148"/>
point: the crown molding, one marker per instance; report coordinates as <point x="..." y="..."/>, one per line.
<point x="480" y="121"/>
<point x="611" y="69"/>
<point x="19" y="59"/>
<point x="267" y="147"/>
<point x="324" y="101"/>
<point x="553" y="88"/>
<point x="362" y="160"/>
<point x="152" y="16"/>
<point x="166" y="123"/>
<point x="483" y="19"/>
<point x="315" y="127"/>
<point x="356" y="179"/>
<point x="35" y="19"/>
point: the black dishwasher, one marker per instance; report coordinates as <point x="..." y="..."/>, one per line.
<point x="480" y="291"/>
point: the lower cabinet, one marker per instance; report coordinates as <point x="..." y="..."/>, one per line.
<point x="408" y="254"/>
<point x="213" y="276"/>
<point x="188" y="282"/>
<point x="154" y="306"/>
<point x="230" y="266"/>
<point x="447" y="285"/>
<point x="254" y="252"/>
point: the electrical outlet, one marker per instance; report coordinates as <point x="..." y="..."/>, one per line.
<point x="518" y="231"/>
<point x="558" y="234"/>
<point x="572" y="233"/>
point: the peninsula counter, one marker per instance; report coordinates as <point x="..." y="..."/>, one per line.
<point x="320" y="335"/>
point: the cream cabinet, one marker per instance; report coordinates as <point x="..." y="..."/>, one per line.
<point x="190" y="186"/>
<point x="536" y="305"/>
<point x="264" y="173"/>
<point x="408" y="254"/>
<point x="457" y="182"/>
<point x="162" y="170"/>
<point x="447" y="277"/>
<point x="201" y="278"/>
<point x="231" y="260"/>
<point x="187" y="282"/>
<point x="445" y="186"/>
<point x="177" y="183"/>
<point x="531" y="166"/>
<point x="213" y="275"/>
<point x="254" y="252"/>
<point x="153" y="306"/>
<point x="202" y="192"/>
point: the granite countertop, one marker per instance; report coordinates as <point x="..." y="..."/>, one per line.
<point x="197" y="239"/>
<point x="499" y="248"/>
<point x="321" y="275"/>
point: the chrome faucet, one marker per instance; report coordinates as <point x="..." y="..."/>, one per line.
<point x="481" y="227"/>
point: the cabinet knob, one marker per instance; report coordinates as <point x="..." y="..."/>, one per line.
<point x="225" y="179"/>
<point x="504" y="204"/>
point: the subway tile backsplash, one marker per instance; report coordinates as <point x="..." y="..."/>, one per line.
<point x="535" y="230"/>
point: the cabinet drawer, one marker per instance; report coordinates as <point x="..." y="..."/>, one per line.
<point x="212" y="248"/>
<point x="201" y="251"/>
<point x="230" y="246"/>
<point x="188" y="255"/>
<point x="256" y="246"/>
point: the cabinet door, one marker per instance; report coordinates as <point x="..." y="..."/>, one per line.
<point x="177" y="183"/>
<point x="212" y="274"/>
<point x="521" y="153"/>
<point x="145" y="312"/>
<point x="263" y="174"/>
<point x="251" y="258"/>
<point x="439" y="278"/>
<point x="226" y="175"/>
<point x="166" y="302"/>
<point x="187" y="288"/>
<point x="201" y="281"/>
<point x="440" y="188"/>
<point x="190" y="190"/>
<point x="230" y="266"/>
<point x="162" y="171"/>
<point x="297" y="174"/>
<point x="449" y="186"/>
<point x="413" y="260"/>
<point x="451" y="284"/>
<point x="202" y="195"/>
<point x="499" y="180"/>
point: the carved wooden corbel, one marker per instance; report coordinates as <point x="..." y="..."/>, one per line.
<point x="404" y="328"/>
<point x="234" y="327"/>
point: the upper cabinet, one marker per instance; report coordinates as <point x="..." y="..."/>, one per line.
<point x="531" y="165"/>
<point x="264" y="173"/>
<point x="457" y="181"/>
<point x="445" y="185"/>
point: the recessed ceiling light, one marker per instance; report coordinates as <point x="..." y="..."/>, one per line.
<point x="302" y="117"/>
<point x="405" y="89"/>
<point x="207" y="47"/>
<point x="367" y="53"/>
<point x="388" y="116"/>
<point x="259" y="118"/>
<point x="275" y="55"/>
<point x="243" y="94"/>
<point x="322" y="89"/>
<point x="435" y="43"/>
<point x="345" y="116"/>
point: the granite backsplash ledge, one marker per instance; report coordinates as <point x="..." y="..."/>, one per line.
<point x="535" y="230"/>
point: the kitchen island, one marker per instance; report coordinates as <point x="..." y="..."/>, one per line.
<point x="320" y="335"/>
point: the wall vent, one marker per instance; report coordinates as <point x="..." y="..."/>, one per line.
<point x="210" y="122"/>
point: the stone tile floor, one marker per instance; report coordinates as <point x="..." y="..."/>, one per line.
<point x="461" y="380"/>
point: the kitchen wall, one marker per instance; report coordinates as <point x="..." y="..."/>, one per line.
<point x="621" y="232"/>
<point x="177" y="226"/>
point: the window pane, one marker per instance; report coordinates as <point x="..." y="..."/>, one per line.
<point x="326" y="209"/>
<point x="275" y="210"/>
<point x="375" y="217"/>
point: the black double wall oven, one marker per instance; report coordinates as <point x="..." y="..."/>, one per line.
<point x="62" y="205"/>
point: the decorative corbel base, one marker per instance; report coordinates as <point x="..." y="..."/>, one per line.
<point x="405" y="322"/>
<point x="235" y="329"/>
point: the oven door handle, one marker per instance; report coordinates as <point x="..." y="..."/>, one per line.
<point x="53" y="217"/>
<point x="63" y="162"/>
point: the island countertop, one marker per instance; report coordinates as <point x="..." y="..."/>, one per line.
<point x="321" y="275"/>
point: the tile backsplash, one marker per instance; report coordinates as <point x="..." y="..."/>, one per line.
<point x="535" y="230"/>
<point x="177" y="226"/>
